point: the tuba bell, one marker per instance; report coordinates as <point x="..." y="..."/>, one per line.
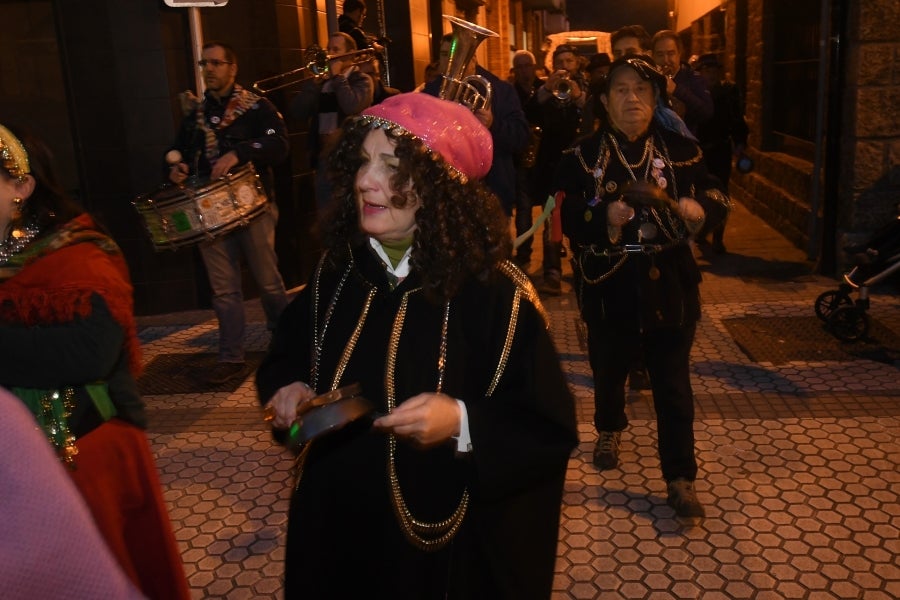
<point x="473" y="91"/>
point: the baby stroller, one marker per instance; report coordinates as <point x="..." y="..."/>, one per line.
<point x="873" y="262"/>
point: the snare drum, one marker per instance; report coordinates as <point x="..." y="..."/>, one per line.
<point x="177" y="216"/>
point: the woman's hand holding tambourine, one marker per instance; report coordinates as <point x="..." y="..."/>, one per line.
<point x="282" y="409"/>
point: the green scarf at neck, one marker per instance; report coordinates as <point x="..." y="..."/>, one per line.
<point x="396" y="250"/>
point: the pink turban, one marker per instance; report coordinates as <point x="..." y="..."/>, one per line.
<point x="447" y="128"/>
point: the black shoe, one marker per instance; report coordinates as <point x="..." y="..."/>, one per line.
<point x="683" y="499"/>
<point x="606" y="452"/>
<point x="224" y="372"/>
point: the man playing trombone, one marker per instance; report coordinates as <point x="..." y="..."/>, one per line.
<point x="325" y="101"/>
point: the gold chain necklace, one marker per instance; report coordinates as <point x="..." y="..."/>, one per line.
<point x="648" y="148"/>
<point x="423" y="535"/>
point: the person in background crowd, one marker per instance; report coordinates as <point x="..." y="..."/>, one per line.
<point x="503" y="116"/>
<point x="526" y="85"/>
<point x="353" y="14"/>
<point x="724" y="137"/>
<point x="46" y="523"/>
<point x="372" y="68"/>
<point x="416" y="301"/>
<point x="323" y="103"/>
<point x="645" y="304"/>
<point x="687" y="91"/>
<point x="557" y="109"/>
<point x="631" y="39"/>
<point x="432" y="72"/>
<point x="598" y="67"/>
<point x="70" y="353"/>
<point x="229" y="128"/>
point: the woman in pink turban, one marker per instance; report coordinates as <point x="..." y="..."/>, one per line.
<point x="451" y="487"/>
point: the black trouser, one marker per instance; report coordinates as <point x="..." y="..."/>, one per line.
<point x="612" y="350"/>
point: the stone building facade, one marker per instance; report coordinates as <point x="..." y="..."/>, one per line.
<point x="849" y="185"/>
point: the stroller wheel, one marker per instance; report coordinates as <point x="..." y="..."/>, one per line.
<point x="828" y="302"/>
<point x="849" y="323"/>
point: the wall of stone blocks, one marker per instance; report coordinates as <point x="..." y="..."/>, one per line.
<point x="870" y="175"/>
<point x="869" y="138"/>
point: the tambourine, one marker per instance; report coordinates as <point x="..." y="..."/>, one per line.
<point x="643" y="193"/>
<point x="327" y="413"/>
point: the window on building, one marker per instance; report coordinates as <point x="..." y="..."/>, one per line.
<point x="795" y="70"/>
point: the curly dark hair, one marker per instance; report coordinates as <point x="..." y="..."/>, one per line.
<point x="48" y="206"/>
<point x="461" y="229"/>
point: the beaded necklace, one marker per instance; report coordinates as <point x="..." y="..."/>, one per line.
<point x="656" y="162"/>
<point x="16" y="242"/>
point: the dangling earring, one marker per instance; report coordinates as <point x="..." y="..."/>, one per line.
<point x="17" y="209"/>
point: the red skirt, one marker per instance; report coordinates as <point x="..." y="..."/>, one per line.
<point x="116" y="474"/>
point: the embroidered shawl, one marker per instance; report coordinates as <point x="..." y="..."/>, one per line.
<point x="57" y="275"/>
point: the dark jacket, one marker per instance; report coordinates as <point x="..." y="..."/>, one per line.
<point x="559" y="123"/>
<point x="259" y="136"/>
<point x="691" y="99"/>
<point x="348" y="26"/>
<point x="506" y="545"/>
<point x="347" y="96"/>
<point x="656" y="290"/>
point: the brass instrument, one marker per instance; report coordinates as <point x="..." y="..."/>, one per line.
<point x="529" y="156"/>
<point x="318" y="64"/>
<point x="473" y="91"/>
<point x="562" y="91"/>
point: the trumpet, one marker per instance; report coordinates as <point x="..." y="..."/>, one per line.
<point x="465" y="90"/>
<point x="318" y="65"/>
<point x="562" y="91"/>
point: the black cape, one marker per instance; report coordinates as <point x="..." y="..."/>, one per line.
<point x="344" y="540"/>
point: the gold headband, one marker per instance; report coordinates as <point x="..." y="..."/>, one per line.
<point x="13" y="155"/>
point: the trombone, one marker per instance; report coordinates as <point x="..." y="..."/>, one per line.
<point x="318" y="64"/>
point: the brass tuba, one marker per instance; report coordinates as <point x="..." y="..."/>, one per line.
<point x="473" y="91"/>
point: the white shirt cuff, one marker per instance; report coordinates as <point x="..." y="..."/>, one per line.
<point x="463" y="440"/>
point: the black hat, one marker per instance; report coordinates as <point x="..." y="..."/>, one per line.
<point x="565" y="48"/>
<point x="601" y="59"/>
<point x="644" y="67"/>
<point x="708" y="60"/>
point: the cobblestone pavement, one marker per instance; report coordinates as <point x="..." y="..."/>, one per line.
<point x="798" y="456"/>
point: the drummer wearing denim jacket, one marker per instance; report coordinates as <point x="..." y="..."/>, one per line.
<point x="228" y="128"/>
